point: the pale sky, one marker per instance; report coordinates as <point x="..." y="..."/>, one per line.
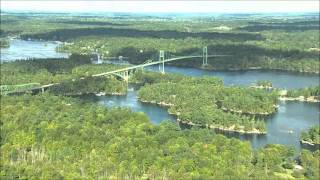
<point x="164" y="6"/>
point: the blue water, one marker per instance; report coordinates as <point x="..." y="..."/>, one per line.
<point x="22" y="50"/>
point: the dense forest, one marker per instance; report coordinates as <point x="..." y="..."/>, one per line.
<point x="44" y="71"/>
<point x="287" y="44"/>
<point x="90" y="85"/>
<point x="206" y="102"/>
<point x="54" y="137"/>
<point x="312" y="135"/>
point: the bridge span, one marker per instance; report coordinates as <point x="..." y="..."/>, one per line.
<point x="123" y="73"/>
<point x="151" y="63"/>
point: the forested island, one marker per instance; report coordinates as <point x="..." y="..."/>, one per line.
<point x="206" y="102"/>
<point x="308" y="94"/>
<point x="312" y="136"/>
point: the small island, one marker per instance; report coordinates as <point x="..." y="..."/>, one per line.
<point x="311" y="137"/>
<point x="262" y="84"/>
<point x="309" y="94"/>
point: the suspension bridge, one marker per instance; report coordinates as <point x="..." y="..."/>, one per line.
<point x="123" y="73"/>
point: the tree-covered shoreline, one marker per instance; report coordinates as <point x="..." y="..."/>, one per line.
<point x="48" y="136"/>
<point x="312" y="136"/>
<point x="206" y="102"/>
<point x="308" y="94"/>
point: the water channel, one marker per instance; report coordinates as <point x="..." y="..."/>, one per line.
<point x="284" y="127"/>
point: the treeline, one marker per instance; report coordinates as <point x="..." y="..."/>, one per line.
<point x="306" y="92"/>
<point x="206" y="102"/>
<point x="312" y="135"/>
<point x="285" y="26"/>
<point x="90" y="85"/>
<point x="69" y="34"/>
<point x="44" y="71"/>
<point x="54" y="137"/>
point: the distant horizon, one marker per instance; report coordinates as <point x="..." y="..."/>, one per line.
<point x="163" y="7"/>
<point x="119" y="12"/>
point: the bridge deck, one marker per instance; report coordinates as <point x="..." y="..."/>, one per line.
<point x="121" y="70"/>
<point x="152" y="63"/>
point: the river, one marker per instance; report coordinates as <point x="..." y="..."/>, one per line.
<point x="284" y="127"/>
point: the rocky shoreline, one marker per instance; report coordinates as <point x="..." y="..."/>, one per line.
<point x="229" y="129"/>
<point x="262" y="87"/>
<point x="221" y="128"/>
<point x="250" y="113"/>
<point x="112" y="93"/>
<point x="309" y="143"/>
<point x="312" y="99"/>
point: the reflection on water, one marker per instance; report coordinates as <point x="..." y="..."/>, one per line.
<point x="21" y="49"/>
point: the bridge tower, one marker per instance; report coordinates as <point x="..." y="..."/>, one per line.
<point x="161" y="58"/>
<point x="126" y="76"/>
<point x="205" y="56"/>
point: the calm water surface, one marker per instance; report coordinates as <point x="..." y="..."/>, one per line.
<point x="21" y="49"/>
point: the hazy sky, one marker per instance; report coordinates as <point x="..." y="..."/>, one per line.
<point x="164" y="6"/>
